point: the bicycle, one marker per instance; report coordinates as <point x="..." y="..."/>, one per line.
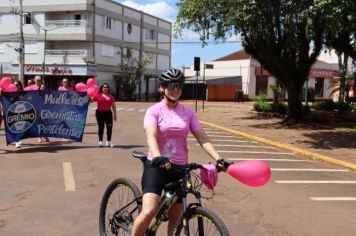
<point x="195" y="219"/>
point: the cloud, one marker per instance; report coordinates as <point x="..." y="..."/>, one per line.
<point x="159" y="9"/>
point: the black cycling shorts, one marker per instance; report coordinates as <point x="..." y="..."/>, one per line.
<point x="155" y="178"/>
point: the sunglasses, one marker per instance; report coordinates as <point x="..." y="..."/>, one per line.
<point x="174" y="85"/>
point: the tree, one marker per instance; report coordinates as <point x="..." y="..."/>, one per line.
<point x="279" y="34"/>
<point x="340" y="31"/>
<point x="340" y="34"/>
<point x="131" y="70"/>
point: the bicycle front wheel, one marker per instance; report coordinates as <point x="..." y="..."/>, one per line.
<point x="202" y="221"/>
<point x="118" y="208"/>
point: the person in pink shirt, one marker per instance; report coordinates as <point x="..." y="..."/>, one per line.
<point x="167" y="125"/>
<point x="65" y="85"/>
<point x="105" y="112"/>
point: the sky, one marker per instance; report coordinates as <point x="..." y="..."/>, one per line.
<point x="188" y="46"/>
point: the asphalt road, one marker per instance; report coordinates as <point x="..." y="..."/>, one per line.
<point x="55" y="188"/>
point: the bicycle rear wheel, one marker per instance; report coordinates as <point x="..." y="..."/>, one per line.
<point x="114" y="219"/>
<point x="202" y="222"/>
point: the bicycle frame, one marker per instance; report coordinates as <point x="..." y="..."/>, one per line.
<point x="184" y="188"/>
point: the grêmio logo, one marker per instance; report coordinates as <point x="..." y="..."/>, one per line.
<point x="20" y="117"/>
<point x="54" y="70"/>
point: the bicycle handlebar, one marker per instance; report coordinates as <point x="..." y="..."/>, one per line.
<point x="187" y="167"/>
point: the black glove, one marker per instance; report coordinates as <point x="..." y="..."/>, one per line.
<point x="222" y="165"/>
<point x="159" y="161"/>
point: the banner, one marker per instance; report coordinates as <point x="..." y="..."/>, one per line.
<point x="60" y="114"/>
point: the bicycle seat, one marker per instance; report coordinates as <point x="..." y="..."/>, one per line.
<point x="140" y="155"/>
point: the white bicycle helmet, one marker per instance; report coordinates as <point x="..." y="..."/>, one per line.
<point x="171" y="75"/>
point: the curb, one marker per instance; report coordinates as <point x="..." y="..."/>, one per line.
<point x="285" y="147"/>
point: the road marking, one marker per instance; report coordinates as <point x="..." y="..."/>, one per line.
<point x="234" y="145"/>
<point x="119" y="109"/>
<point x="232" y="140"/>
<point x="333" y="198"/>
<point x="224" y="136"/>
<point x="219" y="136"/>
<point x="215" y="132"/>
<point x="141" y="110"/>
<point x="283" y="146"/>
<point x="224" y="140"/>
<point x="131" y="109"/>
<point x="312" y="170"/>
<point x="252" y="152"/>
<point x="269" y="159"/>
<point x="315" y="182"/>
<point x="69" y="182"/>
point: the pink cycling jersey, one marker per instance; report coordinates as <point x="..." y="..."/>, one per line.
<point x="173" y="126"/>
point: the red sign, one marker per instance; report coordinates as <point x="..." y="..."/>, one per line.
<point x="323" y="73"/>
<point x="314" y="73"/>
<point x="52" y="70"/>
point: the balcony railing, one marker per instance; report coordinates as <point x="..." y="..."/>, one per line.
<point x="65" y="23"/>
<point x="67" y="52"/>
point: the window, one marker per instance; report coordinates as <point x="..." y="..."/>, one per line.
<point x="107" y="22"/>
<point x="77" y="18"/>
<point x="27" y="18"/>
<point x="2" y="48"/>
<point x="128" y="53"/>
<point x="107" y="50"/>
<point x="319" y="87"/>
<point x="31" y="48"/>
<point x="129" y="28"/>
<point x="261" y="84"/>
<point x="150" y="34"/>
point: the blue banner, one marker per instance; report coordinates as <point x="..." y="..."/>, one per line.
<point x="47" y="113"/>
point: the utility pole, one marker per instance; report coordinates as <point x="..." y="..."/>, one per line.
<point x="22" y="47"/>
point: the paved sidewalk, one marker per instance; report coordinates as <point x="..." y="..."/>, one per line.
<point x="313" y="141"/>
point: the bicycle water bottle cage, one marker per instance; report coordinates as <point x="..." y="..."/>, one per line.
<point x="209" y="175"/>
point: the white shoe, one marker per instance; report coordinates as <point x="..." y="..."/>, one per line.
<point x="101" y="144"/>
<point x="18" y="144"/>
<point x="109" y="144"/>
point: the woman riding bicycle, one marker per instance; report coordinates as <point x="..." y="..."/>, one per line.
<point x="167" y="125"/>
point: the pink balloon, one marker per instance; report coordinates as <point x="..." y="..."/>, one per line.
<point x="254" y="173"/>
<point x="81" y="87"/>
<point x="93" y="91"/>
<point x="5" y="82"/>
<point x="91" y="82"/>
<point x="11" y="88"/>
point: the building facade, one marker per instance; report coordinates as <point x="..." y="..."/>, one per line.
<point x="253" y="80"/>
<point x="80" y="39"/>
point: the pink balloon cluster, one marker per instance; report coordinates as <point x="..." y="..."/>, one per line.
<point x="90" y="88"/>
<point x="253" y="173"/>
<point x="7" y="85"/>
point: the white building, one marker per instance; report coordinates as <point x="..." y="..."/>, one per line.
<point x="80" y="39"/>
<point x="253" y="81"/>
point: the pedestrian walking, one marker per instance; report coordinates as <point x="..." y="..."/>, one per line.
<point x="65" y="85"/>
<point x="105" y="113"/>
<point x="1" y="108"/>
<point x="72" y="84"/>
<point x="19" y="86"/>
<point x="38" y="82"/>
